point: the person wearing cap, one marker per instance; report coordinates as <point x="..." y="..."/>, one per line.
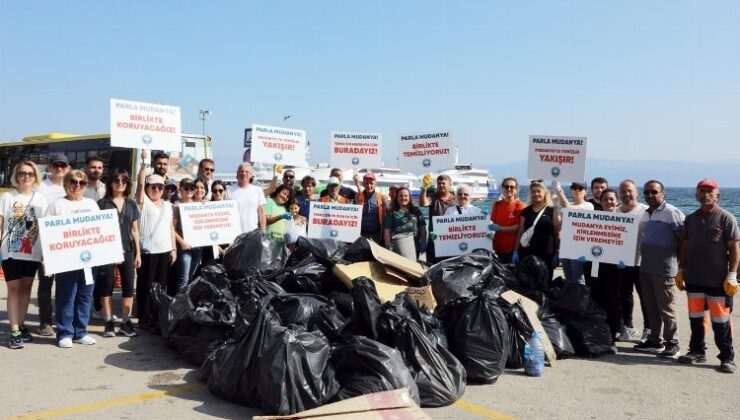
<point x="348" y="193"/>
<point x="708" y="274"/>
<point x="156" y="238"/>
<point x="658" y="268"/>
<point x="249" y="198"/>
<point x="629" y="196"/>
<point x="170" y="191"/>
<point x="573" y="268"/>
<point x="373" y="208"/>
<point x="53" y="189"/>
<point x="438" y="204"/>
<point x="188" y="257"/>
<point x="332" y="192"/>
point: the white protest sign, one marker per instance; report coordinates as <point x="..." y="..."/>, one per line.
<point x="140" y="125"/>
<point x="355" y="150"/>
<point x="210" y="223"/>
<point x="336" y="221"/>
<point x="460" y="234"/>
<point x="427" y="151"/>
<point x="285" y="146"/>
<point x="79" y="241"/>
<point x="557" y="158"/>
<point x="599" y="236"/>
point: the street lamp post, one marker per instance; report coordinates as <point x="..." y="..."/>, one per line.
<point x="203" y="114"/>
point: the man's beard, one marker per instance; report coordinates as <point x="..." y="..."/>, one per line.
<point x="160" y="171"/>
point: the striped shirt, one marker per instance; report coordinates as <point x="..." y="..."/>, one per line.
<point x="659" y="248"/>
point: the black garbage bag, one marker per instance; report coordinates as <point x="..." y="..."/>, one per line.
<point x="299" y="308"/>
<point x="359" y="251"/>
<point x="478" y="335"/>
<point x="519" y="333"/>
<point x="310" y="277"/>
<point x="214" y="273"/>
<point x="530" y="275"/>
<point x="403" y="308"/>
<point x="324" y="251"/>
<point x="252" y="286"/>
<point x="453" y="277"/>
<point x="367" y="309"/>
<point x="585" y="322"/>
<point x="555" y="331"/>
<point x="254" y="253"/>
<point x="344" y="301"/>
<point x="330" y="321"/>
<point x="364" y="366"/>
<point x="296" y="374"/>
<point x="200" y="319"/>
<point x="160" y="308"/>
<point x="233" y="366"/>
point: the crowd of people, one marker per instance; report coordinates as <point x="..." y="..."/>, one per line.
<point x="697" y="253"/>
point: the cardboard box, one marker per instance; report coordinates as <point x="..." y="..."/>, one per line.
<point x="380" y="405"/>
<point x="387" y="281"/>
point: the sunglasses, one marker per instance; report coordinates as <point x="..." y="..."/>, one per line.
<point x="651" y="192"/>
<point x="218" y="190"/>
<point x="120" y="181"/>
<point x="188" y="187"/>
<point x="208" y="169"/>
<point x="289" y="176"/>
<point x="77" y="182"/>
<point x="537" y="181"/>
<point x="22" y="174"/>
<point x="509" y="187"/>
<point x="59" y="165"/>
<point x="157" y="187"/>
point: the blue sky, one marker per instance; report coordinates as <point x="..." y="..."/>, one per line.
<point x="642" y="80"/>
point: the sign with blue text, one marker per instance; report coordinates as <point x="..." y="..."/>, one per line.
<point x="277" y="145"/>
<point x="334" y="220"/>
<point x="140" y="125"/>
<point x="355" y="150"/>
<point x="460" y="234"/>
<point x="210" y="223"/>
<point x="426" y="152"/>
<point x="558" y="158"/>
<point x="599" y="236"/>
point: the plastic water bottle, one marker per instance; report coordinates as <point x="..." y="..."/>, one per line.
<point x="534" y="356"/>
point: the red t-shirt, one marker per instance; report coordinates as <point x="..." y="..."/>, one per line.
<point x="504" y="213"/>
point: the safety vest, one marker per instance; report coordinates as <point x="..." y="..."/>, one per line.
<point x="327" y="199"/>
<point x="360" y="199"/>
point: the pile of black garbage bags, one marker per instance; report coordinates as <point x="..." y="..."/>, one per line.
<point x="280" y="332"/>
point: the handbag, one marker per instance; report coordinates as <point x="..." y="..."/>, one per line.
<point x="527" y="235"/>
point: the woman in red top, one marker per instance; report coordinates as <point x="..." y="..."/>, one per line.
<point x="505" y="216"/>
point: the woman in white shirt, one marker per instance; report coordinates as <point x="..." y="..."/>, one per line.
<point x="21" y="250"/>
<point x="157" y="239"/>
<point x="73" y="294"/>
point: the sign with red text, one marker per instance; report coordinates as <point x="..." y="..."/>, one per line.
<point x="210" y="223"/>
<point x="600" y="236"/>
<point x="140" y="125"/>
<point x="336" y="221"/>
<point x="557" y="158"/>
<point x="425" y="152"/>
<point x="355" y="150"/>
<point x="286" y="146"/>
<point x="79" y="241"/>
<point x="460" y="234"/>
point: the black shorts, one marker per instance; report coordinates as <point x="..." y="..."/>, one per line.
<point x="16" y="269"/>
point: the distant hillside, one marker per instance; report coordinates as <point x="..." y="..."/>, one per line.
<point x="672" y="174"/>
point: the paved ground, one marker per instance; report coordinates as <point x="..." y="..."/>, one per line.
<point x="140" y="378"/>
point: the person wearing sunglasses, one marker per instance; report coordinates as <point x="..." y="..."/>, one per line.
<point x="287" y="180"/>
<point x="708" y="274"/>
<point x="540" y="216"/>
<point x="188" y="257"/>
<point x="157" y="239"/>
<point x="218" y="193"/>
<point x="73" y="296"/>
<point x="52" y="188"/>
<point x="658" y="269"/>
<point x="118" y="188"/>
<point x="505" y="216"/>
<point x="464" y="204"/>
<point x="574" y="268"/>
<point x="206" y="169"/>
<point x="20" y="251"/>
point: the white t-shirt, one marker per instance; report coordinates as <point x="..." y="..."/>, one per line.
<point x="52" y="191"/>
<point x="155" y="225"/>
<point x="20" y="225"/>
<point x="63" y="206"/>
<point x="470" y="209"/>
<point x="638" y="211"/>
<point x="248" y="200"/>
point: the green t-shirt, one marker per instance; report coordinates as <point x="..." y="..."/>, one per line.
<point x="275" y="231"/>
<point x="400" y="222"/>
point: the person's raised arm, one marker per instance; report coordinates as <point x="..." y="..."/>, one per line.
<point x="141" y="178"/>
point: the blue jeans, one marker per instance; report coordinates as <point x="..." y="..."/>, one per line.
<point x="573" y="270"/>
<point x="187" y="262"/>
<point x="73" y="301"/>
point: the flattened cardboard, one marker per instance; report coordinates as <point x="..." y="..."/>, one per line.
<point x="376" y="406"/>
<point x="387" y="285"/>
<point x="530" y="310"/>
<point x="390" y="258"/>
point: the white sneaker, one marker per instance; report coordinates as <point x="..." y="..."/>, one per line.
<point x="626" y="334"/>
<point x="86" y="340"/>
<point x="65" y="343"/>
<point x="645" y="335"/>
